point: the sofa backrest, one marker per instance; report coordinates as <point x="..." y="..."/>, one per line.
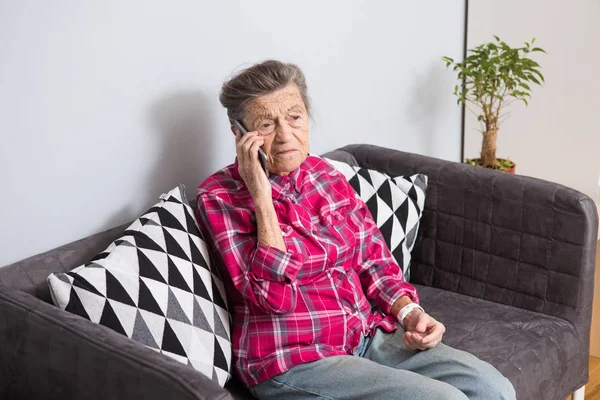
<point x="505" y="238"/>
<point x="30" y="275"/>
<point x="509" y="239"/>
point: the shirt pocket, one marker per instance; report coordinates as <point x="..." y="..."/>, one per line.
<point x="334" y="214"/>
<point x="339" y="220"/>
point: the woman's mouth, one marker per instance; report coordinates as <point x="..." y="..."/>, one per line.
<point x="285" y="152"/>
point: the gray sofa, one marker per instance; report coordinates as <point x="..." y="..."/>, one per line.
<point x="505" y="262"/>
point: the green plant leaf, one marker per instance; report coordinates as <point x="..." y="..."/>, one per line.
<point x="539" y="49"/>
<point x="524" y="85"/>
<point x="491" y="73"/>
<point x="520" y="74"/>
<point x="538" y="73"/>
<point x="533" y="78"/>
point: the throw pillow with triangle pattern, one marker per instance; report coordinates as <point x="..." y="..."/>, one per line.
<point x="396" y="205"/>
<point x="155" y="284"/>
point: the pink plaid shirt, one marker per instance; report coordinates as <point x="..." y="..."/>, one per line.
<point x="311" y="301"/>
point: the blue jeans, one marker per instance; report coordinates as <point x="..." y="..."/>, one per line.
<point x="383" y="368"/>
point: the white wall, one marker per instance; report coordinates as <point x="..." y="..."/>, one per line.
<point x="104" y="105"/>
<point x="557" y="137"/>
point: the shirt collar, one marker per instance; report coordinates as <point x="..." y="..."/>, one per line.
<point x="282" y="185"/>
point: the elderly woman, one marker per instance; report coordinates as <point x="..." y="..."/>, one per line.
<point x="302" y="257"/>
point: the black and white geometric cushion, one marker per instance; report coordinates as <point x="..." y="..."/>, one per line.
<point x="396" y="205"/>
<point x="155" y="285"/>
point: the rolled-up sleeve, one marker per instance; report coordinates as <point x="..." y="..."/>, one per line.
<point x="272" y="264"/>
<point x="264" y="275"/>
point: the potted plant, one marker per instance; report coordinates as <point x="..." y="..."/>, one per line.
<point x="495" y="75"/>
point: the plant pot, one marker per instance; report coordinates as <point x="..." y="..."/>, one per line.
<point x="503" y="164"/>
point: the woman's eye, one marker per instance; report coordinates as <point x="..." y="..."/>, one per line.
<point x="265" y="125"/>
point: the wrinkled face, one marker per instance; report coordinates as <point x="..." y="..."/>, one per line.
<point x="281" y="118"/>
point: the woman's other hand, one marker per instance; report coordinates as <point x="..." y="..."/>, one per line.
<point x="422" y="331"/>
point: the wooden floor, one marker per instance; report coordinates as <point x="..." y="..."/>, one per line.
<point x="592" y="389"/>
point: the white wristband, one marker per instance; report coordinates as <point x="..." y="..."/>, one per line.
<point x="404" y="311"/>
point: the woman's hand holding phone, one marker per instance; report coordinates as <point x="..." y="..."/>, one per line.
<point x="248" y="146"/>
<point x="250" y="167"/>
<point x="262" y="157"/>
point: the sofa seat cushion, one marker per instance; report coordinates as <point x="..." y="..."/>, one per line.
<point x="532" y="350"/>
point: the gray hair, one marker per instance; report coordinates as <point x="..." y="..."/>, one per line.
<point x="259" y="80"/>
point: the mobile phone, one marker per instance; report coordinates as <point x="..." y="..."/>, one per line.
<point x="262" y="157"/>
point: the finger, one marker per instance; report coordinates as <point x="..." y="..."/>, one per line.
<point x="417" y="338"/>
<point x="244" y="138"/>
<point x="414" y="341"/>
<point x="416" y="344"/>
<point x="251" y="147"/>
<point x="435" y="334"/>
<point x="254" y="149"/>
<point x="245" y="143"/>
<point x="407" y="344"/>
<point x="431" y="345"/>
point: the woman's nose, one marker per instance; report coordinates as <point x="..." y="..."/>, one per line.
<point x="284" y="131"/>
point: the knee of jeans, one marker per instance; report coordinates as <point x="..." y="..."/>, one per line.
<point x="506" y="390"/>
<point x="493" y="387"/>
<point x="452" y="394"/>
<point x="429" y="389"/>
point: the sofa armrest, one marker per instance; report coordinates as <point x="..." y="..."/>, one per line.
<point x="510" y="239"/>
<point x="48" y="353"/>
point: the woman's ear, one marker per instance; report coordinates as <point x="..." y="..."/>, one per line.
<point x="233" y="129"/>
